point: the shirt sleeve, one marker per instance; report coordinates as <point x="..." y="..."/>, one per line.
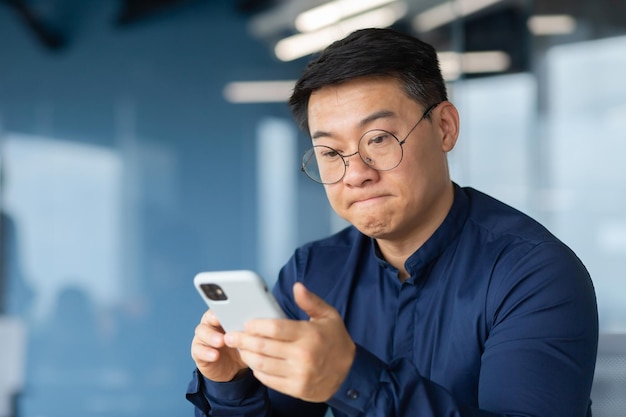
<point x="244" y="397"/>
<point x="374" y="388"/>
<point x="539" y="357"/>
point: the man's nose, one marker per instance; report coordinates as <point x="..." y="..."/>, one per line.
<point x="359" y="171"/>
<point x="366" y="159"/>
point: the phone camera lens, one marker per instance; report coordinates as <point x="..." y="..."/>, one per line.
<point x="214" y="292"/>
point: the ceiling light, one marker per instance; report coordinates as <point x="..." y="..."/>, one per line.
<point x="454" y="64"/>
<point x="450" y="64"/>
<point x="258" y="91"/>
<point x="447" y="12"/>
<point x="303" y="44"/>
<point x="485" y="61"/>
<point x="435" y="17"/>
<point x="334" y="11"/>
<point x="551" y="25"/>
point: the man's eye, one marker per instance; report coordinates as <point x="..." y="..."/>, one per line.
<point x="379" y="138"/>
<point x="326" y="153"/>
<point x="329" y="154"/>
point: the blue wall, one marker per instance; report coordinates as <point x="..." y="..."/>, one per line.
<point x="151" y="95"/>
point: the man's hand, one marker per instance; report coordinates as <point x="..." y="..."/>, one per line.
<point x="214" y="359"/>
<point x="304" y="359"/>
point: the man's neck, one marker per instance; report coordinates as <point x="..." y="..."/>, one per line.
<point x="397" y="251"/>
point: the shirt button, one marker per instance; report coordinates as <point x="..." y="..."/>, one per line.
<point x="352" y="394"/>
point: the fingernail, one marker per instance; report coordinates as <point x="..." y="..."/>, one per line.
<point x="228" y="339"/>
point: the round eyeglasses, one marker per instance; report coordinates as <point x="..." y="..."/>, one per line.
<point x="379" y="149"/>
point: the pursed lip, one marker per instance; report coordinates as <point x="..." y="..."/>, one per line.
<point x="367" y="199"/>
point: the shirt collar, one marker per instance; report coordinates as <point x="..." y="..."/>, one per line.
<point x="447" y="232"/>
<point x="438" y="242"/>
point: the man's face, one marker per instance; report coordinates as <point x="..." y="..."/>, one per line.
<point x="405" y="202"/>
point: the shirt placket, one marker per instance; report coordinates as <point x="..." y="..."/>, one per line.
<point x="404" y="333"/>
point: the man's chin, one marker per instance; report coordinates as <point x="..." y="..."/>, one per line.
<point x="375" y="230"/>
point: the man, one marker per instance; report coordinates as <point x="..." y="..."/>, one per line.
<point x="437" y="301"/>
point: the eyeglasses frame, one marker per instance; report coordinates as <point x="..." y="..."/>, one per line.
<point x="346" y="163"/>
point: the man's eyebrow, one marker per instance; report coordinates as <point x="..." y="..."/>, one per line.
<point x="381" y="114"/>
<point x="320" y="134"/>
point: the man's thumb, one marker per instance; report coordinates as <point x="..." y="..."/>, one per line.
<point x="310" y="303"/>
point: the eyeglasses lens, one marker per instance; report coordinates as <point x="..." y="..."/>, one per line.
<point x="377" y="148"/>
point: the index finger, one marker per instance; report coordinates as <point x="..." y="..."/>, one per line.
<point x="278" y="329"/>
<point x="209" y="318"/>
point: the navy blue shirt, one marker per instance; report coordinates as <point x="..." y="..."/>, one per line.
<point x="498" y="317"/>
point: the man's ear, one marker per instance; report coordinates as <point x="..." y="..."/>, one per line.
<point x="447" y="117"/>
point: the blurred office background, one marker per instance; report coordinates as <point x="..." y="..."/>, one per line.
<point x="144" y="141"/>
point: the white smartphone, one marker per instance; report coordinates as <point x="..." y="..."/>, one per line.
<point x="236" y="297"/>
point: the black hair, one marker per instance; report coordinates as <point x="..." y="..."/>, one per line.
<point x="372" y="52"/>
